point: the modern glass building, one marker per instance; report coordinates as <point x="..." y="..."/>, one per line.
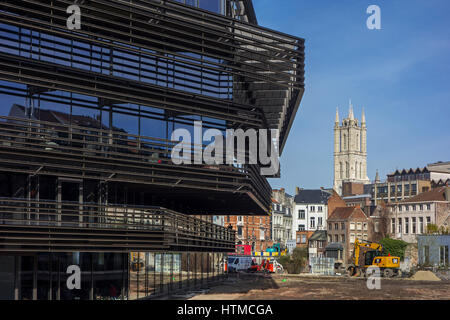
<point x="86" y="119"/>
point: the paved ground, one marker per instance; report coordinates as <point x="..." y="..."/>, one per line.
<point x="255" y="287"/>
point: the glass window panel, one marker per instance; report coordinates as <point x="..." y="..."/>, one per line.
<point x="7" y="273"/>
<point x="43" y="276"/>
<point x="212" y="5"/>
<point x="84" y="262"/>
<point x="26" y="277"/>
<point x="133" y="271"/>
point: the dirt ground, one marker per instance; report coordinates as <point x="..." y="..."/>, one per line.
<point x="307" y="287"/>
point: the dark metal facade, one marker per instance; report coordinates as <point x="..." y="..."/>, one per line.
<point x="140" y="61"/>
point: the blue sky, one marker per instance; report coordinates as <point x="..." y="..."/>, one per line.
<point x="399" y="74"/>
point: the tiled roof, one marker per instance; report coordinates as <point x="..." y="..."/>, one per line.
<point x="320" y="235"/>
<point x="437" y="194"/>
<point x="342" y="213"/>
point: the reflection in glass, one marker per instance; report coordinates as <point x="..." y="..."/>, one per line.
<point x="26" y="268"/>
<point x="109" y="276"/>
<point x="43" y="277"/>
<point x="7" y="272"/>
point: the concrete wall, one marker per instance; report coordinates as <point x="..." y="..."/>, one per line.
<point x="434" y="242"/>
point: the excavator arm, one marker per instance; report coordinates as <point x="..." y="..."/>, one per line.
<point x="362" y="246"/>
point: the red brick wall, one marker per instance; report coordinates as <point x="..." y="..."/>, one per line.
<point x="334" y="202"/>
<point x="299" y="233"/>
<point x="348" y="247"/>
<point x="352" y="189"/>
<point x="251" y="230"/>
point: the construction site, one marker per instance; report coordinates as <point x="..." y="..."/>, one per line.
<point x="424" y="285"/>
<point x="114" y="183"/>
<point x="264" y="275"/>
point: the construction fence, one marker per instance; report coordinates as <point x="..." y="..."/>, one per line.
<point x="322" y="265"/>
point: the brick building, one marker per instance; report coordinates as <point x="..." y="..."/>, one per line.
<point x="302" y="238"/>
<point x="346" y="224"/>
<point x="252" y="230"/>
<point x="353" y="195"/>
<point x="334" y="201"/>
<point x="352" y="189"/>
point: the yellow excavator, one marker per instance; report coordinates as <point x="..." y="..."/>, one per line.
<point x="366" y="254"/>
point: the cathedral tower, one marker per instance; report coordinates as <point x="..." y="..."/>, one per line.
<point x="350" y="150"/>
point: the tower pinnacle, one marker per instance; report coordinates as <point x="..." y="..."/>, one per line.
<point x="363" y="117"/>
<point x="337" y="116"/>
<point x="350" y="111"/>
<point x="377" y="177"/>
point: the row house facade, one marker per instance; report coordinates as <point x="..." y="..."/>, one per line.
<point x="311" y="211"/>
<point x="317" y="243"/>
<point x="409" y="218"/>
<point x="344" y="226"/>
<point x="282" y="207"/>
<point x="255" y="231"/>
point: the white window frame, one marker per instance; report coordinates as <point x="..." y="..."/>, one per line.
<point x="312" y="222"/>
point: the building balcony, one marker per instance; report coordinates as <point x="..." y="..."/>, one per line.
<point x="157" y="60"/>
<point x="48" y="148"/>
<point x="159" y="54"/>
<point x="50" y="226"/>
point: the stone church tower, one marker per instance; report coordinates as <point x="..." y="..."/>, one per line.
<point x="350" y="150"/>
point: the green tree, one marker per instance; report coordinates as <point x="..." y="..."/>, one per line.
<point x="394" y="247"/>
<point x="432" y="228"/>
<point x="294" y="263"/>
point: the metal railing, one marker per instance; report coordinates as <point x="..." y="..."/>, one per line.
<point x="139" y="157"/>
<point x="63" y="220"/>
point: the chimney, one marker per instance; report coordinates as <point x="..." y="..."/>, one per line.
<point x="297" y="190"/>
